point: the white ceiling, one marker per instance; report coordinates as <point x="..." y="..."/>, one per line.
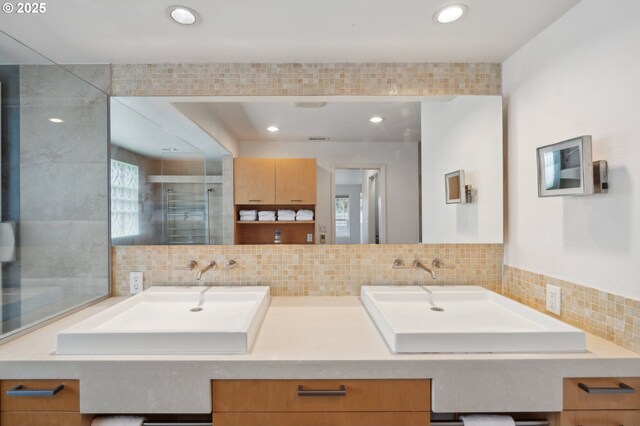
<point x="339" y="121"/>
<point x="147" y="125"/>
<point x="125" y="31"/>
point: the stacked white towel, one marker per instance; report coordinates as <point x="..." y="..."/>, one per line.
<point x="266" y="216"/>
<point x="286" y="215"/>
<point x="487" y="420"/>
<point x="118" y="421"/>
<point x="248" y="215"/>
<point x="304" y="214"/>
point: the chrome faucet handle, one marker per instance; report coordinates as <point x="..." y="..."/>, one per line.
<point x="399" y="264"/>
<point x="231" y="264"/>
<point x="191" y="265"/>
<point x="438" y="263"/>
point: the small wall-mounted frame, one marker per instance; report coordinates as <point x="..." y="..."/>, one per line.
<point x="455" y="191"/>
<point x="565" y="168"/>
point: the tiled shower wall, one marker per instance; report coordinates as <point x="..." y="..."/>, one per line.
<point x="309" y="270"/>
<point x="609" y="316"/>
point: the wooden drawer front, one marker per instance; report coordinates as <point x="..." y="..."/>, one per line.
<point x="576" y="398"/>
<point x="282" y="395"/>
<point x="44" y="419"/>
<point x="601" y="418"/>
<point x="68" y="399"/>
<point x="322" y="419"/>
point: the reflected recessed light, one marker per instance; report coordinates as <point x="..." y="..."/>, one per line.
<point x="171" y="149"/>
<point x="56" y="120"/>
<point x="376" y="119"/>
<point x="182" y="15"/>
<point x="273" y="129"/>
<point x="450" y="14"/>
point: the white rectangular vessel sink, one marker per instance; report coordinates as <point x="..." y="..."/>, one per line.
<point x="463" y="319"/>
<point x="172" y="320"/>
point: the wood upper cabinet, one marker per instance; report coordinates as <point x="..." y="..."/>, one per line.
<point x="269" y="181"/>
<point x="296" y="181"/>
<point x="254" y="180"/>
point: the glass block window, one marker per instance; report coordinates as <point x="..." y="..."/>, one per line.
<point x="124" y="199"/>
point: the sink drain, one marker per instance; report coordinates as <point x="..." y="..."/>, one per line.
<point x="198" y="309"/>
<point x="437" y="309"/>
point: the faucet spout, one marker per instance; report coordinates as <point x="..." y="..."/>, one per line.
<point x="211" y="265"/>
<point x="419" y="265"/>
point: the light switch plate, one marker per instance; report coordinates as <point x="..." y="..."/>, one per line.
<point x="553" y="299"/>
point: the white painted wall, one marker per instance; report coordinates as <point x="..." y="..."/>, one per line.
<point x="400" y="158"/>
<point x="579" y="76"/>
<point x="465" y="133"/>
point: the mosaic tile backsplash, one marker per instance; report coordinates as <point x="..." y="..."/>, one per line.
<point x="609" y="316"/>
<point x="357" y="79"/>
<point x="308" y="270"/>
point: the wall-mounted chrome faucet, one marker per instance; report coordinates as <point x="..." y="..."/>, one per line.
<point x="435" y="264"/>
<point x="419" y="265"/>
<point x="211" y="265"/>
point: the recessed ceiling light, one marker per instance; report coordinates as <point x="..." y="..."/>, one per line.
<point x="170" y="149"/>
<point x="450" y="13"/>
<point x="273" y="129"/>
<point x="56" y="120"/>
<point x="182" y="15"/>
<point x="376" y="119"/>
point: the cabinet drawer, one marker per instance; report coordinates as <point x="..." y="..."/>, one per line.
<point x="601" y="418"/>
<point x="322" y="419"/>
<point x="67" y="399"/>
<point x="320" y="395"/>
<point x="44" y="419"/>
<point x="604" y="394"/>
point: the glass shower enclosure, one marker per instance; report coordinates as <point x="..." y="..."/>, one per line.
<point x="54" y="158"/>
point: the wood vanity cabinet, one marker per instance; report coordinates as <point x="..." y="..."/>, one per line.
<point x="62" y="408"/>
<point x="272" y="184"/>
<point x="601" y="402"/>
<point x="321" y="402"/>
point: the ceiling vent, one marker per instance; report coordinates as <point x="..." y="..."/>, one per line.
<point x="309" y="104"/>
<point x="318" y="138"/>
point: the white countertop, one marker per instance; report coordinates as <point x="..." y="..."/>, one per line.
<point x="309" y="337"/>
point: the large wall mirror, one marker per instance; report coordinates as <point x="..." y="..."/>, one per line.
<point x="380" y="165"/>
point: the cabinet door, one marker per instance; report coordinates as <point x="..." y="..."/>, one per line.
<point x="44" y="418"/>
<point x="601" y="418"/>
<point x="615" y="393"/>
<point x="254" y="180"/>
<point x="296" y="181"/>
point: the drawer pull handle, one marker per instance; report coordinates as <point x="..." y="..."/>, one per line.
<point x="621" y="389"/>
<point x="254" y="201"/>
<point x="342" y="391"/>
<point x="19" y="391"/>
<point x="296" y="201"/>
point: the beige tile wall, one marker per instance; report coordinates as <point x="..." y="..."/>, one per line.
<point x="362" y="79"/>
<point x="612" y="317"/>
<point x="308" y="270"/>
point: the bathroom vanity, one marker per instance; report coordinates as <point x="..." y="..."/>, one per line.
<point x="308" y="345"/>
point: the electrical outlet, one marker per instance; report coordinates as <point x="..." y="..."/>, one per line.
<point x="135" y="282"/>
<point x="553" y="299"/>
<point x="309" y="238"/>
